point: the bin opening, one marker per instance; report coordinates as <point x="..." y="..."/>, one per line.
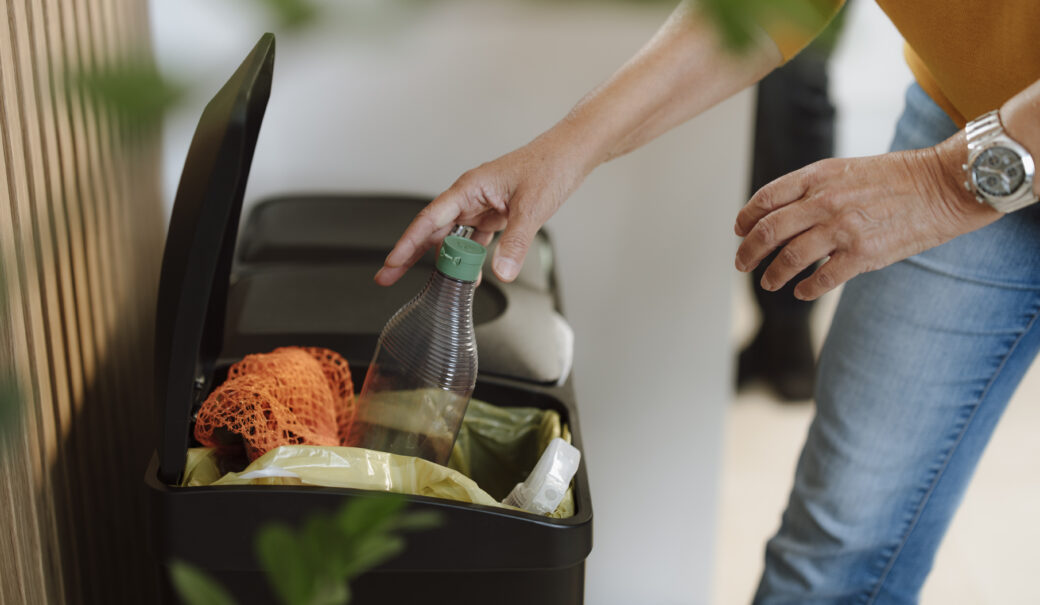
<point x="245" y="434"/>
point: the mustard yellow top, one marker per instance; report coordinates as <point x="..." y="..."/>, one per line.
<point x="970" y="56"/>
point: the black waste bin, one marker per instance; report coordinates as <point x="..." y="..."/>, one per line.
<point x="301" y="254"/>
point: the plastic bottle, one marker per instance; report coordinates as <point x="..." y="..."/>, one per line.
<point x="425" y="365"/>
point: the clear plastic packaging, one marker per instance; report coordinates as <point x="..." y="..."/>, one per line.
<point x="547" y="484"/>
<point x="425" y="365"/>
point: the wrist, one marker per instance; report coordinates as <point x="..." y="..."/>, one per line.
<point x="1021" y="120"/>
<point x="950" y="158"/>
<point x="571" y="146"/>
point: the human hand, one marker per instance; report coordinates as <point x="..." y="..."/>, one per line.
<point x="517" y="192"/>
<point x="862" y="213"/>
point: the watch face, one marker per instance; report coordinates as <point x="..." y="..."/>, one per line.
<point x="998" y="171"/>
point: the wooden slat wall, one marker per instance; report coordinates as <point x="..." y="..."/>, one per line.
<point x="81" y="229"/>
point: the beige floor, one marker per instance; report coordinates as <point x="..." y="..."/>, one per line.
<point x="990" y="552"/>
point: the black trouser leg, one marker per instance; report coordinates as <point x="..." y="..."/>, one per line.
<point x="794" y="127"/>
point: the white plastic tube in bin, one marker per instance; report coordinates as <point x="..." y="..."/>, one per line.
<point x="545" y="487"/>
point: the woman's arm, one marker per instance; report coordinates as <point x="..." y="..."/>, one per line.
<point x="681" y="72"/>
<point x="863" y="214"/>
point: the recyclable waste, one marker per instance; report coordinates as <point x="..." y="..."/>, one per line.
<point x="424" y="369"/>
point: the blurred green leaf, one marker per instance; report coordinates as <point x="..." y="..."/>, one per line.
<point x="133" y="91"/>
<point x="738" y="21"/>
<point x="10" y="399"/>
<point x="369" y="515"/>
<point x="292" y="14"/>
<point x="417" y="521"/>
<point x="323" y="542"/>
<point x="195" y="587"/>
<point x="288" y="570"/>
<point x="372" y="552"/>
<point x="315" y="565"/>
<point x="330" y="592"/>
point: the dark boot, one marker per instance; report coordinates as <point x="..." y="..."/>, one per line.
<point x="781" y="357"/>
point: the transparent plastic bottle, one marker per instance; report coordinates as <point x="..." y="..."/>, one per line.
<point x="425" y="365"/>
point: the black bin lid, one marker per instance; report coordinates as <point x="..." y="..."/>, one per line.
<point x="200" y="245"/>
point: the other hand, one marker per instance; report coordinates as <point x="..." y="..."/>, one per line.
<point x="860" y="214"/>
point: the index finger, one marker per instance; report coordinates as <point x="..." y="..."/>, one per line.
<point x="775" y="195"/>
<point x="427" y="229"/>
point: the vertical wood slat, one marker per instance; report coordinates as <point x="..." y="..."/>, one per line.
<point x="80" y="240"/>
<point x="65" y="211"/>
<point x="80" y="57"/>
<point x="30" y="343"/>
<point x="14" y="468"/>
<point x="52" y="414"/>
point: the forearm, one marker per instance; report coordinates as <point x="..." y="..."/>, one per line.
<point x="680" y="73"/>
<point x="1021" y="119"/>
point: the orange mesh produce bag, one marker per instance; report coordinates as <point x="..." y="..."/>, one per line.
<point x="290" y="396"/>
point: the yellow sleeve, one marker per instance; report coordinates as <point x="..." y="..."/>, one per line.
<point x="793" y="32"/>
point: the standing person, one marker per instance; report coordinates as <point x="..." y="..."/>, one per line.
<point x="941" y="321"/>
<point x="794" y="127"/>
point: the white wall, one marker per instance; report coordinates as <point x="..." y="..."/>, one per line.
<point x="645" y="246"/>
<point x="869" y="78"/>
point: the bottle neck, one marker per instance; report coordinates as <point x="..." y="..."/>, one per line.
<point x="450" y="293"/>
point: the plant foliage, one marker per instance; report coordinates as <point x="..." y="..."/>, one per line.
<point x="315" y="564"/>
<point x="134" y="92"/>
<point x="739" y="21"/>
<point x="197" y="588"/>
<point x="10" y="399"/>
<point x="292" y="14"/>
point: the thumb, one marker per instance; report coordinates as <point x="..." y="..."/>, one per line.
<point x="512" y="247"/>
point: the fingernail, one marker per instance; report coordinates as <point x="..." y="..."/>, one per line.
<point x="741" y="266"/>
<point x="506" y="268"/>
<point x="379" y="274"/>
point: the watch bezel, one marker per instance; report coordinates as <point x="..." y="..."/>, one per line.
<point x="1028" y="168"/>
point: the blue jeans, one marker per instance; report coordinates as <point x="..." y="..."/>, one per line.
<point x="918" y="367"/>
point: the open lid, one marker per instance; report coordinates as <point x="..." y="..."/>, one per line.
<point x="200" y="243"/>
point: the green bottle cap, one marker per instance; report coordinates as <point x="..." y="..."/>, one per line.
<point x="461" y="258"/>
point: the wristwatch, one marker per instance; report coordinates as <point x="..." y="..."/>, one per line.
<point x="999" y="170"/>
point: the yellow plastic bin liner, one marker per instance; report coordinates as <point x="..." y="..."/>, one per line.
<point x="496" y="449"/>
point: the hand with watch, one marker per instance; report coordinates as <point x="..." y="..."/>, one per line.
<point x="862" y="214"/>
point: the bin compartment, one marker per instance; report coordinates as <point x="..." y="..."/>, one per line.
<point x="480" y="554"/>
